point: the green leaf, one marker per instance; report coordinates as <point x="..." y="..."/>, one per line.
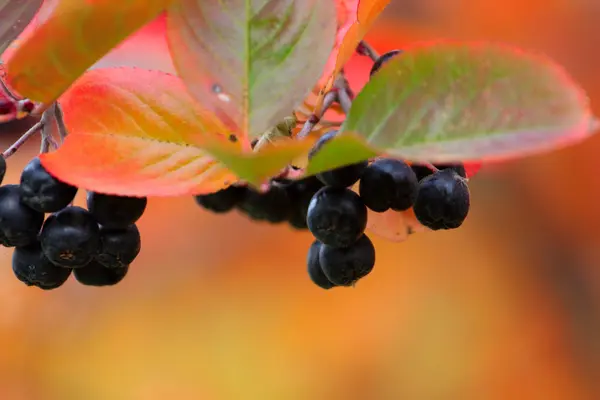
<point x="251" y="61"/>
<point x="344" y="149"/>
<point x="451" y="101"/>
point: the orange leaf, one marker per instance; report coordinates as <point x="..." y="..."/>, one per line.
<point x="72" y="38"/>
<point x="135" y="132"/>
<point x="366" y="14"/>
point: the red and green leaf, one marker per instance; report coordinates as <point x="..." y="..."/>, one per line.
<point x="251" y="63"/>
<point x="74" y="36"/>
<point x="455" y="101"/>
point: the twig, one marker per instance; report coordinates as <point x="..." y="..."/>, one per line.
<point x="26" y="136"/>
<point x="60" y="122"/>
<point x="365" y="49"/>
<point x="313" y="119"/>
<point x="344" y="94"/>
<point x="49" y="124"/>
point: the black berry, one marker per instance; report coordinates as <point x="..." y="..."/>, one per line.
<point x="118" y="247"/>
<point x="222" y="201"/>
<point x="70" y="238"/>
<point x="443" y="200"/>
<point x="388" y="183"/>
<point x="274" y="205"/>
<point x="345" y="266"/>
<point x="19" y="224"/>
<point x="341" y="177"/>
<point x="95" y="274"/>
<point x="41" y="191"/>
<point x="32" y="268"/>
<point x="384" y="58"/>
<point x="337" y="217"/>
<point x="422" y="171"/>
<point x="300" y="193"/>
<point x="116" y="211"/>
<point x="315" y="272"/>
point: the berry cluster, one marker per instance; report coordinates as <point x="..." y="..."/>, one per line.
<point x="96" y="244"/>
<point x="336" y="215"/>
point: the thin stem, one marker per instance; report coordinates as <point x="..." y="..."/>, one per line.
<point x="48" y="126"/>
<point x="365" y="49"/>
<point x="26" y="136"/>
<point x="329" y="99"/>
<point x="60" y="121"/>
<point x="344" y="94"/>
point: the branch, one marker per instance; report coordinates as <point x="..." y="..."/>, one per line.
<point x="21" y="141"/>
<point x="313" y="119"/>
<point x="365" y="49"/>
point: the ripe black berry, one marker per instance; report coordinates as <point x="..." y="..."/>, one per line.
<point x="32" y="268"/>
<point x="19" y="224"/>
<point x="345" y="266"/>
<point x="300" y="193"/>
<point x="337" y="217"/>
<point x="222" y="201"/>
<point x="388" y="183"/>
<point x="2" y="168"/>
<point x="443" y="200"/>
<point x="274" y="205"/>
<point x="94" y="274"/>
<point x="43" y="192"/>
<point x="70" y="238"/>
<point x="341" y="177"/>
<point x="422" y="171"/>
<point x="384" y="58"/>
<point x="115" y="211"/>
<point x="118" y="247"/>
<point x="315" y="272"/>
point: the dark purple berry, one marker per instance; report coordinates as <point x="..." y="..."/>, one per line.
<point x="43" y="192"/>
<point x="32" y="268"/>
<point x="19" y="224"/>
<point x="70" y="238"/>
<point x="116" y="211"/>
<point x="388" y="183"/>
<point x="443" y="200"/>
<point x="337" y="217"/>
<point x="118" y="247"/>
<point x="315" y="272"/>
<point x="345" y="266"/>
<point x="95" y="274"/>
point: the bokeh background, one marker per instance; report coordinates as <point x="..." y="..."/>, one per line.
<point x="219" y="308"/>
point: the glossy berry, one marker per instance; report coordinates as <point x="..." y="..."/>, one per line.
<point x="2" y="168"/>
<point x="315" y="272"/>
<point x="116" y="211"/>
<point x="345" y="266"/>
<point x="70" y="238"/>
<point x="382" y="60"/>
<point x="443" y="200"/>
<point x="422" y="171"/>
<point x="300" y="193"/>
<point x="95" y="274"/>
<point x="273" y="205"/>
<point x="19" y="224"/>
<point x="222" y="201"/>
<point x="41" y="191"/>
<point x="341" y="177"/>
<point x="388" y="183"/>
<point x="336" y="217"/>
<point x="118" y="247"/>
<point x="32" y="268"/>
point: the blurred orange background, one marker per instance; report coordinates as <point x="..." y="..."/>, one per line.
<point x="219" y="308"/>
